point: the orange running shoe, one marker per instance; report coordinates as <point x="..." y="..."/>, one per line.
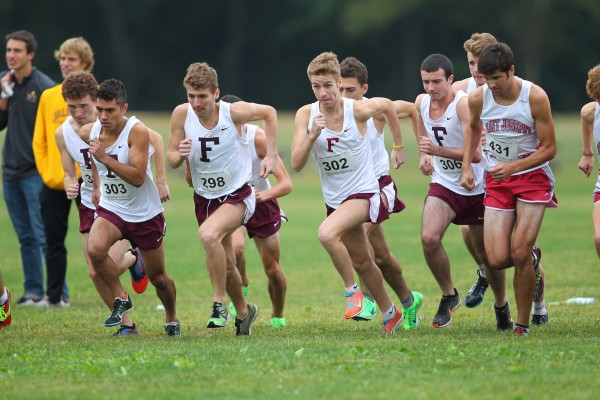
<point x="354" y="304"/>
<point x="139" y="279"/>
<point x="389" y="326"/>
<point x="5" y="316"/>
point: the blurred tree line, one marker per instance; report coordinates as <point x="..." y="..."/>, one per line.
<point x="261" y="48"/>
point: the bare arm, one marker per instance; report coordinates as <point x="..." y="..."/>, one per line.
<point x="158" y="156"/>
<point x="242" y="112"/>
<point x="304" y="140"/>
<point x="284" y="182"/>
<point x="406" y="109"/>
<point x="179" y="147"/>
<point x="70" y="181"/>
<point x="586" y="164"/>
<point x="472" y="137"/>
<point x="133" y="173"/>
<point x="365" y="109"/>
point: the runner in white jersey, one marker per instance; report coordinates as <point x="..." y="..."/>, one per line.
<point x="265" y="222"/>
<point x="80" y="91"/>
<point x="473" y="47"/>
<point x="209" y="135"/>
<point x="122" y="178"/>
<point x="520" y="141"/>
<point x="590" y="124"/>
<point x="443" y="116"/>
<point x="354" y="76"/>
<point x="333" y="129"/>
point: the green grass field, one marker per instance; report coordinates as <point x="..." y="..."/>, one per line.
<point x="68" y="354"/>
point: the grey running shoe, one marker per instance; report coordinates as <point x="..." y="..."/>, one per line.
<point x="244" y="327"/>
<point x="120" y="308"/>
<point x="448" y="305"/>
<point x="173" y="329"/>
<point x="28" y="300"/>
<point x="219" y="316"/>
<point x="521" y="330"/>
<point x="539" y="281"/>
<point x="475" y="294"/>
<point x="539" y="319"/>
<point x="504" y="321"/>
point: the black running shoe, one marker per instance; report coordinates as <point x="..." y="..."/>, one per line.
<point x="475" y="294"/>
<point x="448" y="305"/>
<point x="539" y="319"/>
<point x="173" y="329"/>
<point x="539" y="281"/>
<point x="120" y="308"/>
<point x="504" y="321"/>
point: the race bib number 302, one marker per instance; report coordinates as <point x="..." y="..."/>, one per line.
<point x="337" y="163"/>
<point x="212" y="182"/>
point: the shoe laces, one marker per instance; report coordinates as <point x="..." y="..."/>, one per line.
<point x="218" y="311"/>
<point x="120" y="305"/>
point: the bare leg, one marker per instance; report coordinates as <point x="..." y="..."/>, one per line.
<point x="269" y="250"/>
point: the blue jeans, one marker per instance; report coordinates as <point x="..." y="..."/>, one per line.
<point x="22" y="197"/>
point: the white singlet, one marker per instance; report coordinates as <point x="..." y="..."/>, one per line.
<point x="220" y="158"/>
<point x="80" y="153"/>
<point x="510" y="130"/>
<point x="343" y="159"/>
<point x="447" y="132"/>
<point x="260" y="184"/>
<point x="471" y="85"/>
<point x="132" y="204"/>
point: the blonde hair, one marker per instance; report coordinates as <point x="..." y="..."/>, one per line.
<point x="80" y="46"/>
<point x="324" y="64"/>
<point x="592" y="86"/>
<point x="478" y="41"/>
<point x="201" y="76"/>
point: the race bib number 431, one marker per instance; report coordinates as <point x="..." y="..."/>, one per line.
<point x="503" y="150"/>
<point x="337" y="163"/>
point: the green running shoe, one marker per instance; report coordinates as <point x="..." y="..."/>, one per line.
<point x="411" y="319"/>
<point x="219" y="317"/>
<point x="368" y="312"/>
<point x="277" y="322"/>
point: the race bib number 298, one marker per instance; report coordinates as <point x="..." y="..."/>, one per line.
<point x="213" y="182"/>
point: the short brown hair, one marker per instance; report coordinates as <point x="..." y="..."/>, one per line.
<point x="478" y="41"/>
<point x="350" y="67"/>
<point x="201" y="76"/>
<point x="592" y="86"/>
<point x="324" y="64"/>
<point x="24" y="36"/>
<point x="80" y="46"/>
<point x="78" y="85"/>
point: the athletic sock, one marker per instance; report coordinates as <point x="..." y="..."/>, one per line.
<point x="482" y="270"/>
<point x="353" y="289"/>
<point x="408" y="301"/>
<point x="4" y="297"/>
<point x="539" y="308"/>
<point x="389" y="313"/>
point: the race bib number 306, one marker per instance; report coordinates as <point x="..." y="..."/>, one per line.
<point x="212" y="182"/>
<point x="337" y="163"/>
<point x="116" y="188"/>
<point x="448" y="166"/>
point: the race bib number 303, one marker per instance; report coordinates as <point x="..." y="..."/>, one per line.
<point x="337" y="163"/>
<point x="116" y="188"/>
<point x="212" y="182"/>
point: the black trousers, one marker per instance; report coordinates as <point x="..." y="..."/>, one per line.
<point x="55" y="213"/>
